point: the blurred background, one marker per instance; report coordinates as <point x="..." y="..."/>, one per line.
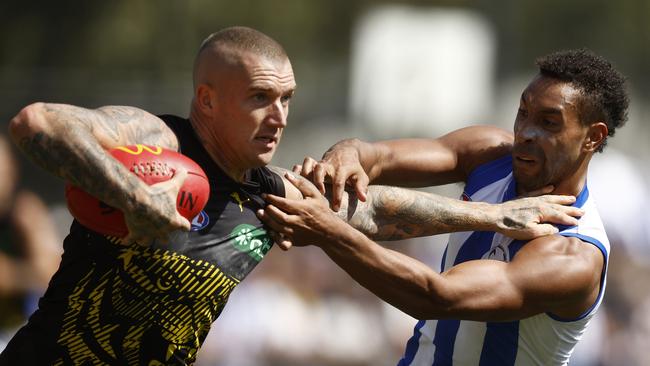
<point x="367" y="69"/>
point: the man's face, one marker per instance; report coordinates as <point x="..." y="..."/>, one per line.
<point x="549" y="135"/>
<point x="251" y="109"/>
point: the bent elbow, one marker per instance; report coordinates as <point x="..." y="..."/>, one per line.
<point x="29" y="121"/>
<point x="434" y="303"/>
<point x="429" y="309"/>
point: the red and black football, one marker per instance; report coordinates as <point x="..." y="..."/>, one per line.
<point x="152" y="164"/>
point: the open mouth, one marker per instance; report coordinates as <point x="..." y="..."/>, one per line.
<point x="525" y="159"/>
<point x="266" y="139"/>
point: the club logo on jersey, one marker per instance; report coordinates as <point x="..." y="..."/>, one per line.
<point x="156" y="150"/>
<point x="240" y="202"/>
<point x="200" y="221"/>
<point x="498" y="253"/>
<point x="252" y="240"/>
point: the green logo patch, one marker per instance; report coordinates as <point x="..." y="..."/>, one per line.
<point x="251" y="240"/>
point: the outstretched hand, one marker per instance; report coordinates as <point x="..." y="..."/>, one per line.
<point x="156" y="216"/>
<point x="339" y="166"/>
<point x="300" y="222"/>
<point x="531" y="217"/>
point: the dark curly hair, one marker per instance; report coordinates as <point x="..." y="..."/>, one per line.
<point x="603" y="87"/>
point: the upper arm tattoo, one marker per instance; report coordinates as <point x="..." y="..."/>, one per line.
<point x="115" y="125"/>
<point x="129" y="125"/>
<point x="73" y="146"/>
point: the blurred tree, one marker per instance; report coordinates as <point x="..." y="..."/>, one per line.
<point x="140" y="52"/>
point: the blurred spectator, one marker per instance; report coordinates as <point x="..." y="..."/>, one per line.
<point x="297" y="309"/>
<point x="29" y="247"/>
<point x="619" y="336"/>
<point x="624" y="212"/>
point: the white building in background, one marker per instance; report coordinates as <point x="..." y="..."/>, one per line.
<point x="421" y="71"/>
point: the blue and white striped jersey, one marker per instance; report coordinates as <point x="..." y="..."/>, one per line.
<point x="543" y="339"/>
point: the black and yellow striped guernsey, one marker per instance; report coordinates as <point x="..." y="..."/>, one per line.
<point x="133" y="305"/>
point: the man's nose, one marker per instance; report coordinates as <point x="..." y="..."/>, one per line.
<point x="525" y="133"/>
<point x="278" y="114"/>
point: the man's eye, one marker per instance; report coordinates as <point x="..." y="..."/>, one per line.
<point x="548" y="123"/>
<point x="285" y="99"/>
<point x="259" y="97"/>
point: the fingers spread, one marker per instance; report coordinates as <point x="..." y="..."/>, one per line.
<point x="559" y="217"/>
<point x="544" y="229"/>
<point x="361" y="186"/>
<point x="279" y="239"/>
<point x="276" y="219"/>
<point x="284" y="204"/>
<point x="308" y="166"/>
<point x="338" y="187"/>
<point x="561" y="200"/>
<point x="572" y="211"/>
<point x="319" y="177"/>
<point x="306" y="188"/>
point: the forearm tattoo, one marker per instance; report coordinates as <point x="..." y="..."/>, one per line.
<point x="395" y="213"/>
<point x="392" y="213"/>
<point x="82" y="164"/>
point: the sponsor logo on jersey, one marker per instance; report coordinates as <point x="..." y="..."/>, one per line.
<point x="156" y="150"/>
<point x="200" y="221"/>
<point x="252" y="240"/>
<point x="240" y="202"/>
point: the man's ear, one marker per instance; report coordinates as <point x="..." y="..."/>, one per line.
<point x="596" y="136"/>
<point x="205" y="99"/>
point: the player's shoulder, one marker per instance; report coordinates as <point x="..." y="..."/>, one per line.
<point x="561" y="245"/>
<point x="480" y="144"/>
<point x="569" y="253"/>
<point x="484" y="136"/>
<point x="271" y="179"/>
<point x="571" y="271"/>
<point x="174" y="120"/>
<point x="177" y="125"/>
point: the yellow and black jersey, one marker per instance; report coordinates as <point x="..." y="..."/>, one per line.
<point x="134" y="305"/>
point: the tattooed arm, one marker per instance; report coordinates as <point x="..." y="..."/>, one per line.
<point x="549" y="274"/>
<point x="71" y="142"/>
<point x="391" y="213"/>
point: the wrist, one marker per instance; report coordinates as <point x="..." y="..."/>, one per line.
<point x="340" y="235"/>
<point x="370" y="155"/>
<point x="134" y="195"/>
<point x="489" y="217"/>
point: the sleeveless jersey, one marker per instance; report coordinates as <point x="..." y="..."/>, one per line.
<point x="135" y="305"/>
<point x="543" y="339"/>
